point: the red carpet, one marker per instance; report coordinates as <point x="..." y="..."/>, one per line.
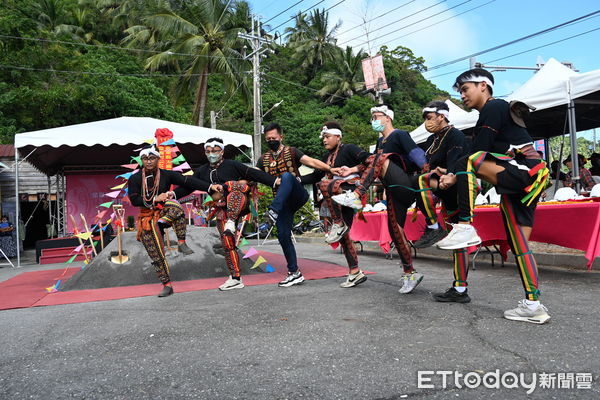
<point x="28" y="288"/>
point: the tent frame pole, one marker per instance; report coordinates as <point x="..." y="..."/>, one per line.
<point x="17" y="209"/>
<point x="573" y="137"/>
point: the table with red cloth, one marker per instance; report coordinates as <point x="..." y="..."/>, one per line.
<point x="574" y="224"/>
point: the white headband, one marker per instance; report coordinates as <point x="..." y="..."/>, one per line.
<point x="149" y="151"/>
<point x="436" y="110"/>
<point x="384" y="110"/>
<point x="214" y="143"/>
<point x="331" y="131"/>
<point x="472" y="78"/>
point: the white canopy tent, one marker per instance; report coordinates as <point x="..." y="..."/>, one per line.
<point x="105" y="145"/>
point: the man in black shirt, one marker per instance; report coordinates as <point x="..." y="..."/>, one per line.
<point x="149" y="189"/>
<point x="339" y="154"/>
<point x="503" y="155"/>
<point x="283" y="162"/>
<point x="230" y="181"/>
<point x="444" y="147"/>
<point x="396" y="157"/>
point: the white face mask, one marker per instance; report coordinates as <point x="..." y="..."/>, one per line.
<point x="214" y="158"/>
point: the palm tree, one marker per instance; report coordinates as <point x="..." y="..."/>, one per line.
<point x="198" y="39"/>
<point x="312" y="40"/>
<point x="346" y="78"/>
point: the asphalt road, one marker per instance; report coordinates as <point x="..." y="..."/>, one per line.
<point x="314" y="341"/>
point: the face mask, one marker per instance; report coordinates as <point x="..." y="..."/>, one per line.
<point x="376" y="125"/>
<point x="273" y="144"/>
<point x="213" y="158"/>
<point x="432" y="125"/>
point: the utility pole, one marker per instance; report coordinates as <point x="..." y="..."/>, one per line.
<point x="258" y="45"/>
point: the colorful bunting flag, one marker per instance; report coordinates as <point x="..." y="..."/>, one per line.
<point x="130" y="166"/>
<point x="137" y="159"/>
<point x="113" y="195"/>
<point x="124" y="176"/>
<point x="207" y="199"/>
<point x="259" y="260"/>
<point x="84" y="235"/>
<point x="244" y="242"/>
<point x="181" y="167"/>
<point x="190" y="172"/>
<point x="251" y="252"/>
<point x="77" y="249"/>
<point x="121" y="186"/>
<point x="179" y="159"/>
<point x="149" y="141"/>
<point x="169" y="142"/>
<point x="107" y="204"/>
<point x="269" y="268"/>
<point x="174" y="149"/>
<point x="71" y="259"/>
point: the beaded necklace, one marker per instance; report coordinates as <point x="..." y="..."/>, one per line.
<point x="438" y="140"/>
<point x="148" y="195"/>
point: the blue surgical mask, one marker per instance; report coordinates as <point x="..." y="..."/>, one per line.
<point x="213" y="158"/>
<point x="376" y="125"/>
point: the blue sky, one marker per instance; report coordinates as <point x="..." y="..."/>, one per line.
<point x="494" y="23"/>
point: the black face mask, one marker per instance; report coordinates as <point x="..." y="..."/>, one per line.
<point x="273" y="144"/>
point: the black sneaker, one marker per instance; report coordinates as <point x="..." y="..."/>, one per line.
<point x="166" y="291"/>
<point x="185" y="249"/>
<point x="452" y="296"/>
<point x="430" y="237"/>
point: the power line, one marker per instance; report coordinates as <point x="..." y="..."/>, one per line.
<point x="544" y="31"/>
<point x="63" y="71"/>
<point x="421" y="20"/>
<point x="377" y="17"/>
<point x="111" y="47"/>
<point x="439" y="22"/>
<point x="519" y="53"/>
<point x="293" y="5"/>
<point x="401" y="19"/>
<point x="291" y="18"/>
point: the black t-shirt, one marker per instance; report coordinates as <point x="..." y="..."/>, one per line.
<point x="228" y="170"/>
<point x="495" y="130"/>
<point x="443" y="149"/>
<point x="349" y="155"/>
<point x="167" y="178"/>
<point x="401" y="143"/>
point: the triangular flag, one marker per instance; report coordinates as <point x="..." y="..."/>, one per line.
<point x="259" y="260"/>
<point x="77" y="249"/>
<point x="84" y="235"/>
<point x="124" y="176"/>
<point x="51" y="289"/>
<point x="169" y="142"/>
<point x="335" y="245"/>
<point x="95" y="243"/>
<point x="113" y="195"/>
<point x="121" y="186"/>
<point x="207" y="199"/>
<point x="181" y="167"/>
<point x="251" y="252"/>
<point x="137" y="159"/>
<point x="174" y="149"/>
<point x="107" y="204"/>
<point x="253" y="210"/>
<point x="270" y="268"/>
<point x="190" y="172"/>
<point x="101" y="215"/>
<point x="130" y="166"/>
<point x="179" y="159"/>
<point x="149" y="141"/>
<point x="57" y="284"/>
<point x="243" y="243"/>
<point x="71" y="259"/>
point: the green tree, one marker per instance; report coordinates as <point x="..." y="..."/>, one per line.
<point x="345" y="79"/>
<point x="198" y="39"/>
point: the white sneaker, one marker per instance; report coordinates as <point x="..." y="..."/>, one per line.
<point x="336" y="232"/>
<point x="231" y="284"/>
<point x="229" y="228"/>
<point x="292" y="278"/>
<point x="526" y="314"/>
<point x="461" y="236"/>
<point x="354" y="280"/>
<point x="348" y="199"/>
<point x="410" y="282"/>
